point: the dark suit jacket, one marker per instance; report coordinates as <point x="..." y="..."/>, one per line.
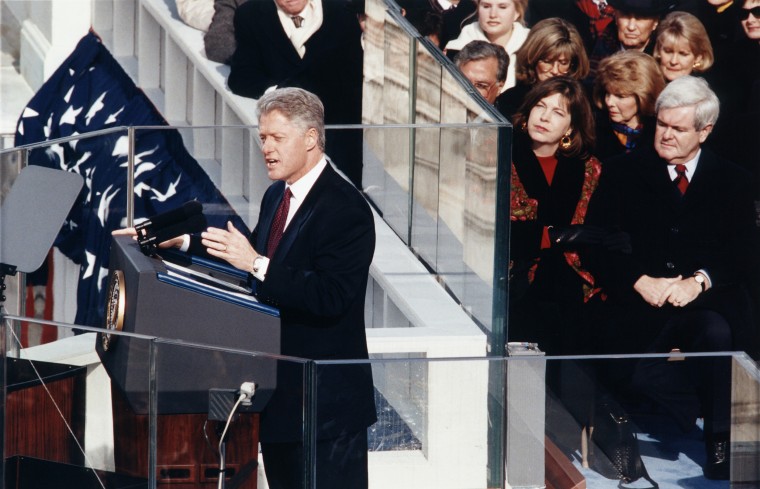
<point x="331" y="67"/>
<point x="318" y="279"/>
<point x="712" y="227"/>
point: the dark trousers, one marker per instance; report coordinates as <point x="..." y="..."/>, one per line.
<point x="341" y="463"/>
<point x="695" y="386"/>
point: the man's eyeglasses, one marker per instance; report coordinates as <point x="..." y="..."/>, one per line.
<point x="483" y="87"/>
<point x="755" y="11"/>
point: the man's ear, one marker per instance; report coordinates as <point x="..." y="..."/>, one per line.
<point x="705" y="132"/>
<point x="311" y="138"/>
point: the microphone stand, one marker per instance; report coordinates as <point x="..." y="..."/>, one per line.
<point x="222" y="457"/>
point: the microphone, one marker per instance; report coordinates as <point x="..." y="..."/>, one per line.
<point x="187" y="210"/>
<point x="186" y="219"/>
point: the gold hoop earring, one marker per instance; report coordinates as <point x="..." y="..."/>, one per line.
<point x="565" y="142"/>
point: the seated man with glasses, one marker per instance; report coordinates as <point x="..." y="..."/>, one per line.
<point x="485" y="65"/>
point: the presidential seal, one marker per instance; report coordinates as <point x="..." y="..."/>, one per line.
<point x="115" y="303"/>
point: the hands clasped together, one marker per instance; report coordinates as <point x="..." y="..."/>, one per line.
<point x="677" y="291"/>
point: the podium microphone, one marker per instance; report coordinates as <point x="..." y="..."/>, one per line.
<point x="186" y="219"/>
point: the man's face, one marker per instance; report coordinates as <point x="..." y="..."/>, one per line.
<point x="751" y="24"/>
<point x="482" y="73"/>
<point x="676" y="139"/>
<point x="292" y="7"/>
<point x="634" y="30"/>
<point x="285" y="147"/>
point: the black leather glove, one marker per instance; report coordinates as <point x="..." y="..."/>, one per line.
<point x="576" y="234"/>
<point x="618" y="241"/>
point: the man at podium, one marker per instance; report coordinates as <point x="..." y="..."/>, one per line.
<point x="309" y="255"/>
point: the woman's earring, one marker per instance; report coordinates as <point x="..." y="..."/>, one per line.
<point x="524" y="126"/>
<point x="566" y="142"/>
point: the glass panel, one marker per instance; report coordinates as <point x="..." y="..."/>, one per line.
<point x="68" y="285"/>
<point x="680" y="420"/>
<point x="388" y="157"/>
<point x="61" y="417"/>
<point x="71" y="405"/>
<point x="565" y="424"/>
<point x="432" y="422"/>
<point x="210" y="402"/>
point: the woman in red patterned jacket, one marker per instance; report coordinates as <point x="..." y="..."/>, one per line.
<point x="554" y="177"/>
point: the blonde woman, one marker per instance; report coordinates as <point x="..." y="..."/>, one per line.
<point x="498" y="22"/>
<point x="683" y="46"/>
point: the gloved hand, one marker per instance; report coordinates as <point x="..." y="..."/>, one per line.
<point x="618" y="241"/>
<point x="576" y="234"/>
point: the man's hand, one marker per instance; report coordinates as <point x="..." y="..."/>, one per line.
<point x="230" y="245"/>
<point x="169" y="243"/>
<point x="682" y="292"/>
<point x="653" y="290"/>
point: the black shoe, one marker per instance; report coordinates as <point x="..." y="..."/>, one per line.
<point x="717" y="466"/>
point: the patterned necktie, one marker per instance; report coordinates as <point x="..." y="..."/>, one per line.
<point x="681" y="181"/>
<point x="297" y="20"/>
<point x="278" y="223"/>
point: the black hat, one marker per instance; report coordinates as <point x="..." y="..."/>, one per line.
<point x="644" y="7"/>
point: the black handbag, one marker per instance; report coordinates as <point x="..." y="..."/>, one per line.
<point x="613" y="435"/>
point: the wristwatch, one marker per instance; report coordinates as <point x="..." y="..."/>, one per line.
<point x="700" y="279"/>
<point x="257" y="264"/>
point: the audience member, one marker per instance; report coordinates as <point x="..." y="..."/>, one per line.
<point x="196" y="13"/>
<point x="311" y="44"/>
<point x="634" y="26"/>
<point x="431" y="27"/>
<point x="721" y="21"/>
<point x="590" y="17"/>
<point x="219" y="40"/>
<point x="736" y="79"/>
<point x="453" y="17"/>
<point x="682" y="46"/>
<point x="485" y="65"/>
<point x="625" y="90"/>
<point x="691" y="221"/>
<point x="553" y="47"/>
<point x="553" y="179"/>
<point x="499" y="22"/>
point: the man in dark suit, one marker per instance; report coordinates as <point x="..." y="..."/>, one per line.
<point x="309" y="255"/>
<point x="311" y="44"/>
<point x="691" y="221"/>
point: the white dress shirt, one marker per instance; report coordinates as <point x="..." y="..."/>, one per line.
<point x="299" y="190"/>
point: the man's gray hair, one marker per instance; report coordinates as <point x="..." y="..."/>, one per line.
<point x="302" y="108"/>
<point x="477" y="50"/>
<point x="688" y="91"/>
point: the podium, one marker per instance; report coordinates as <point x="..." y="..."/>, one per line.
<point x="159" y="299"/>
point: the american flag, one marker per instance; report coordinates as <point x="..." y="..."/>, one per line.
<point x="90" y="91"/>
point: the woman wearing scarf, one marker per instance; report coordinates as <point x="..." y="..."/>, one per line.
<point x="625" y="90"/>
